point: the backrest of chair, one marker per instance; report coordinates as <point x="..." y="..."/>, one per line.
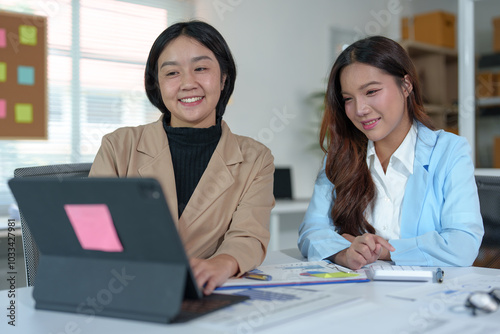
<point x="488" y="188"/>
<point x="282" y="188"/>
<point x="74" y="170"/>
<point x="61" y="170"/>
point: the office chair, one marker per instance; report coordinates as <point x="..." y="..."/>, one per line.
<point x="488" y="188"/>
<point x="75" y="170"/>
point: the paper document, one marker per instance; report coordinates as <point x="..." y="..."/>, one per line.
<point x="297" y="273"/>
<point x="455" y="289"/>
<point x="270" y="307"/>
<point x="440" y="308"/>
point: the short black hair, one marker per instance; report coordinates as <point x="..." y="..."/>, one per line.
<point x="208" y="36"/>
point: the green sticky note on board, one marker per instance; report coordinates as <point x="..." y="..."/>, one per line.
<point x="23" y="112"/>
<point x="3" y="71"/>
<point x="27" y="35"/>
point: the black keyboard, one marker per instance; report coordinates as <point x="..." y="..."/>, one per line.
<point x="194" y="308"/>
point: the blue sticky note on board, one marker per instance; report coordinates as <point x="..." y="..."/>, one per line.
<point x="94" y="227"/>
<point x="26" y="75"/>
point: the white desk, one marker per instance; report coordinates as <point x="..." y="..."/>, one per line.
<point x="374" y="312"/>
<point x="282" y="207"/>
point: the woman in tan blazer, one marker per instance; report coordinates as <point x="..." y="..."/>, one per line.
<point x="218" y="185"/>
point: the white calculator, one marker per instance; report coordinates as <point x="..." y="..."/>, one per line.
<point x="388" y="272"/>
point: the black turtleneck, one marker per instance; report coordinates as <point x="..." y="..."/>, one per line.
<point x="191" y="150"/>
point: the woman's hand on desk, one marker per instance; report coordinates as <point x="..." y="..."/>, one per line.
<point x="364" y="249"/>
<point x="213" y="272"/>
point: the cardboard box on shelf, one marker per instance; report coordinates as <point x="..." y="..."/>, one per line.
<point x="496" y="152"/>
<point x="496" y="83"/>
<point x="437" y="28"/>
<point x="452" y="130"/>
<point x="496" y="34"/>
<point x="485" y="84"/>
<point x="438" y="117"/>
<point x="405" y="28"/>
<point x="438" y="77"/>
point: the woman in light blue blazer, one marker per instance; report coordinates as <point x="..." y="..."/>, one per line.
<point x="391" y="188"/>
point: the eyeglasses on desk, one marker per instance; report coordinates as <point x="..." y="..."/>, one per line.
<point x="483" y="302"/>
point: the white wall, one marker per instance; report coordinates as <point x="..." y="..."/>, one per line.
<point x="283" y="52"/>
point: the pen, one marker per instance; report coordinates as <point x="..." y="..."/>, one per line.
<point x="439" y="275"/>
<point x="260" y="277"/>
<point x="339" y="268"/>
<point x="343" y="269"/>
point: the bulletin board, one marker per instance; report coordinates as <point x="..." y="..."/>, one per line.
<point x="23" y="76"/>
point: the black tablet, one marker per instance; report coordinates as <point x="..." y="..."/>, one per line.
<point x="108" y="246"/>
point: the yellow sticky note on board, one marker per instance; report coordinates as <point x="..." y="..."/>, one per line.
<point x="23" y="112"/>
<point x="27" y="35"/>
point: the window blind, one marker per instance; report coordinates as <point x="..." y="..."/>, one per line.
<point x="97" y="50"/>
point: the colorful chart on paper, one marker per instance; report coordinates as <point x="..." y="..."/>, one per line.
<point x="295" y="274"/>
<point x="23" y="76"/>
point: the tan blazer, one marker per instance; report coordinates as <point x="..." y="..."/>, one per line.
<point x="228" y="212"/>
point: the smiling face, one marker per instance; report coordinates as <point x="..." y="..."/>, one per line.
<point x="376" y="104"/>
<point x="190" y="83"/>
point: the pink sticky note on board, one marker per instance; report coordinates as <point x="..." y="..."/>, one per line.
<point x="94" y="227"/>
<point x="3" y="108"/>
<point x="3" y="38"/>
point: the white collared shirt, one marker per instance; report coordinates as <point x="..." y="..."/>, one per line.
<point x="385" y="214"/>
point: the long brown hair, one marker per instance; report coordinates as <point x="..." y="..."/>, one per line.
<point x="345" y="145"/>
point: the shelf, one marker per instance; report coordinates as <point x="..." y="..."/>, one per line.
<point x="437" y="70"/>
<point x="488" y="101"/>
<point x="417" y="49"/>
<point x="440" y="109"/>
<point x="489" y="60"/>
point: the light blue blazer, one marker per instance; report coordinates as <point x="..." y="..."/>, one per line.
<point x="441" y="223"/>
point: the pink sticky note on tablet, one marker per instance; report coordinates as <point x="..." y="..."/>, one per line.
<point x="94" y="227"/>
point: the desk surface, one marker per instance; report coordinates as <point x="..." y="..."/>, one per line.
<point x="373" y="312"/>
